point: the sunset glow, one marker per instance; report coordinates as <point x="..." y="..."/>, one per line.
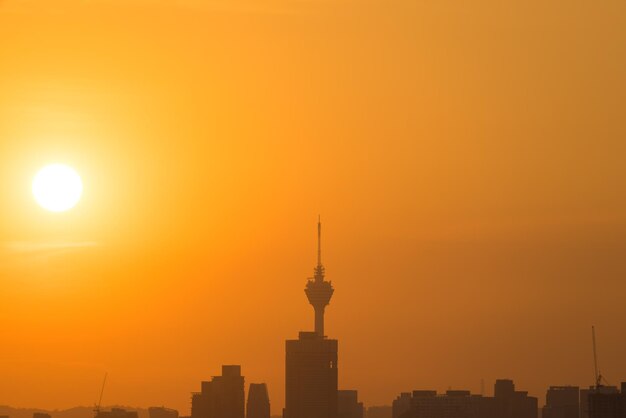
<point x="163" y="166"/>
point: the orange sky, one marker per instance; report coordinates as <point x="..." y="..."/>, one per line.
<point x="467" y="159"/>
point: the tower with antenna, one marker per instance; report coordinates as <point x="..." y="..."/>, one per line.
<point x="318" y="290"/>
<point x="311" y="372"/>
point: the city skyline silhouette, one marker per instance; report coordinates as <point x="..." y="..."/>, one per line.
<point x="163" y="166"/>
<point x="312" y="386"/>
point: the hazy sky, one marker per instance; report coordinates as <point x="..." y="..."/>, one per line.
<point x="467" y="158"/>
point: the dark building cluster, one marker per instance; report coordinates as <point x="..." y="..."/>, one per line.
<point x="311" y="373"/>
<point x="561" y="402"/>
<point x="597" y="401"/>
<point x="311" y="387"/>
<point x="506" y="403"/>
<point x="222" y="397"/>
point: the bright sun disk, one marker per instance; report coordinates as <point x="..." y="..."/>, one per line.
<point x="57" y="187"/>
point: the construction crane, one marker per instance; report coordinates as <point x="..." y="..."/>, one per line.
<point x="598" y="375"/>
<point x="97" y="407"/>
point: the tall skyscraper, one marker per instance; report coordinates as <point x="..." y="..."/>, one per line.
<point x="585" y="394"/>
<point x="401" y="405"/>
<point x="311" y="360"/>
<point x="607" y="405"/>
<point x="258" y="405"/>
<point x="222" y="397"/>
<point x="503" y="389"/>
<point x="511" y="403"/>
<point x="562" y="402"/>
<point x="348" y="405"/>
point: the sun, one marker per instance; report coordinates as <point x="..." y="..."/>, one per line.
<point x="57" y="187"/>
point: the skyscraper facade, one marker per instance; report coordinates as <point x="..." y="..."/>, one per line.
<point x="562" y="402"/>
<point x="514" y="404"/>
<point x="401" y="405"/>
<point x="607" y="405"/>
<point x="585" y="394"/>
<point x="258" y="405"/>
<point x="222" y="397"/>
<point x="605" y="401"/>
<point x="379" y="411"/>
<point x="311" y="361"/>
<point x="348" y="405"/>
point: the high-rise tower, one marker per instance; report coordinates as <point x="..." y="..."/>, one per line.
<point x="222" y="397"/>
<point x="318" y="290"/>
<point x="311" y="362"/>
<point x="258" y="405"/>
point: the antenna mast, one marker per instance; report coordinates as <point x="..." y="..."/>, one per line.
<point x="598" y="375"/>
<point x="319" y="240"/>
<point x="319" y="269"/>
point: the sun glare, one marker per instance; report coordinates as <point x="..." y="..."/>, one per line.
<point x="57" y="187"/>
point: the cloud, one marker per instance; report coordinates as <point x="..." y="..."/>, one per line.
<point x="279" y="7"/>
<point x="250" y="7"/>
<point x="41" y="251"/>
<point x="50" y="246"/>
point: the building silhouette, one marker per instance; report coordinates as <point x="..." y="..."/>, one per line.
<point x="586" y="393"/>
<point x="506" y="403"/>
<point x="401" y="405"/>
<point x="606" y="403"/>
<point x="378" y="411"/>
<point x="162" y="412"/>
<point x="514" y="404"/>
<point x="562" y="402"/>
<point x="222" y="397"/>
<point x="452" y="404"/>
<point x="117" y="413"/>
<point x="348" y="405"/>
<point x="311" y="360"/>
<point x="258" y="405"/>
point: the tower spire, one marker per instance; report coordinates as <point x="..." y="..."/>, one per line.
<point x="318" y="290"/>
<point x="319" y="240"/>
<point x="319" y="269"/>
